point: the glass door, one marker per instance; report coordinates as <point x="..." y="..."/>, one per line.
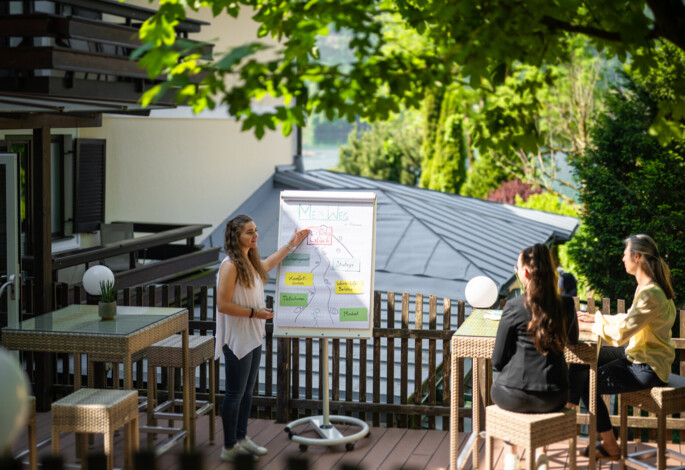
<point x="9" y="240"/>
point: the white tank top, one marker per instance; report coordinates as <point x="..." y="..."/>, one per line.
<point x="241" y="334"/>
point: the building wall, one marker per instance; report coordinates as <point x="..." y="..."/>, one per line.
<point x="180" y="170"/>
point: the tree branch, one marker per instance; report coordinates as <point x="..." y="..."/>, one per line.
<point x="554" y="23"/>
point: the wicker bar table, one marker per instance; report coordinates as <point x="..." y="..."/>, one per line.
<point x="77" y="330"/>
<point x="475" y="339"/>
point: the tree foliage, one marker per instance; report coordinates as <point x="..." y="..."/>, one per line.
<point x="487" y="174"/>
<point x="470" y="42"/>
<point x="389" y="150"/>
<point x="631" y="184"/>
<point x="443" y="167"/>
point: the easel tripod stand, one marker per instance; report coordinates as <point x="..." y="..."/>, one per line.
<point x="322" y="424"/>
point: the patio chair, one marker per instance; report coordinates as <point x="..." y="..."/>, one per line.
<point x="530" y="430"/>
<point x="662" y="401"/>
<point x="168" y="353"/>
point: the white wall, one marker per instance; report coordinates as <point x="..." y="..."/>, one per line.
<point x="183" y="170"/>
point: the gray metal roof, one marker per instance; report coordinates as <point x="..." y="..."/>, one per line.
<point x="426" y="241"/>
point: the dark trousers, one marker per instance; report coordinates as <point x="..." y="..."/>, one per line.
<point x="615" y="374"/>
<point x="241" y="375"/>
<point x="526" y="401"/>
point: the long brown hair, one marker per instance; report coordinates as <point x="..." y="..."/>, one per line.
<point x="651" y="261"/>
<point x="547" y="326"/>
<point x="234" y="228"/>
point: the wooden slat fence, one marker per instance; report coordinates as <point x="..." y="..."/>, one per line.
<point x="423" y="350"/>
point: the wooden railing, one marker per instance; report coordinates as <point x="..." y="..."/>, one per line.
<point x="398" y="328"/>
<point x="420" y="337"/>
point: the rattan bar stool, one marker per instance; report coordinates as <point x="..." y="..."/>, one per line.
<point x="168" y="353"/>
<point x="662" y="401"/>
<point x="98" y="411"/>
<point x="33" y="436"/>
<point x="530" y="430"/>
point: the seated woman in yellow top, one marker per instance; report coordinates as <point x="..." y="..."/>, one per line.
<point x="640" y="350"/>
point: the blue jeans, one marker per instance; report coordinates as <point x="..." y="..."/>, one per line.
<point x="615" y="374"/>
<point x="241" y="375"/>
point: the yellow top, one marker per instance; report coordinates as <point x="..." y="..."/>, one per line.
<point x="646" y="328"/>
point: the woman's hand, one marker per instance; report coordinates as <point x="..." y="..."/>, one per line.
<point x="278" y="256"/>
<point x="586" y="317"/>
<point x="263" y="313"/>
<point x="585" y="321"/>
<point x="298" y="237"/>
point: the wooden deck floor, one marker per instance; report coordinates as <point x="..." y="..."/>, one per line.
<point x="388" y="449"/>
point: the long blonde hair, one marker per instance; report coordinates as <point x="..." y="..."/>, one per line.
<point x="651" y="261"/>
<point x="234" y="228"/>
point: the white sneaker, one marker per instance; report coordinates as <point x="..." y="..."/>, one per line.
<point x="253" y="448"/>
<point x="541" y="461"/>
<point x="229" y="455"/>
<point x="511" y="462"/>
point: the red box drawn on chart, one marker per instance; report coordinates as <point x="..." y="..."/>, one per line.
<point x="320" y="236"/>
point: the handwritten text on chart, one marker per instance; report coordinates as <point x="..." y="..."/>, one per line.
<point x="330" y="213"/>
<point x="296" y="259"/>
<point x="353" y="314"/>
<point x="345" y="264"/>
<point x="293" y="300"/>
<point x="349" y="287"/>
<point x="299" y="279"/>
<point x="320" y="235"/>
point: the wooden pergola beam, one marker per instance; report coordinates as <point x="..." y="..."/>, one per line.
<point x="40" y="120"/>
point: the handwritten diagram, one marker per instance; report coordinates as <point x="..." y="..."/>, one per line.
<point x="326" y="283"/>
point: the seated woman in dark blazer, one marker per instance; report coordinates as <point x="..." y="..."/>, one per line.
<point x="529" y="348"/>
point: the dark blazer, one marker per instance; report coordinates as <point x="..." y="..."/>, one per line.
<point x="521" y="366"/>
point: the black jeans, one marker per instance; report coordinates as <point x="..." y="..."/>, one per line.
<point x="615" y="374"/>
<point x="241" y="376"/>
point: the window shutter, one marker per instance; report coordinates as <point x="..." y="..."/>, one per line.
<point x="89" y="185"/>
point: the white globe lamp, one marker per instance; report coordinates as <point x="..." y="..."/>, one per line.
<point x="481" y="292"/>
<point x="94" y="276"/>
<point x="14" y="390"/>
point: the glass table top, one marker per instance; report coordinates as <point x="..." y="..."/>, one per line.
<point x="84" y="319"/>
<point x="477" y="325"/>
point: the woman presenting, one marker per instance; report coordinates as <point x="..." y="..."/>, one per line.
<point x="529" y="347"/>
<point x="640" y="349"/>
<point x="240" y="320"/>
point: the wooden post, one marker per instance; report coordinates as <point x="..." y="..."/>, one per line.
<point x="41" y="233"/>
<point x="283" y="380"/>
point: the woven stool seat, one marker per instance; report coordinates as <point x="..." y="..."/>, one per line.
<point x="99" y="412"/>
<point x="530" y="430"/>
<point x="662" y="401"/>
<point x="169" y="353"/>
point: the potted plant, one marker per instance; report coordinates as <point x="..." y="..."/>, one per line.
<point x="107" y="307"/>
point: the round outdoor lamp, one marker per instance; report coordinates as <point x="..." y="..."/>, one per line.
<point x="94" y="276"/>
<point x="481" y="292"/>
<point x="14" y="390"/>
